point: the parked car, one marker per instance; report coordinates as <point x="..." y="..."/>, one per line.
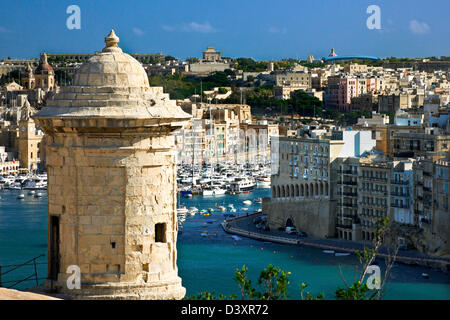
<point x="290" y="230"/>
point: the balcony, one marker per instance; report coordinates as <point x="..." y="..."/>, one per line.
<point x="399" y="205"/>
<point x="374" y="179"/>
<point x="348" y="183"/>
<point x="344" y="226"/>
<point x="348" y="172"/>
<point x="348" y="205"/>
<point x="400" y="194"/>
<point x="350" y="194"/>
<point x="400" y="182"/>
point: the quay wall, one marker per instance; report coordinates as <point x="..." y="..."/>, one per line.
<point x="442" y="264"/>
<point x="314" y="216"/>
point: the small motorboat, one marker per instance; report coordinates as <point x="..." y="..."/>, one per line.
<point x="188" y="195"/>
<point x="204" y="234"/>
<point x="21" y="196"/>
<point x="233" y="210"/>
<point x="182" y="210"/>
<point x="258" y="200"/>
<point x="38" y="195"/>
<point x="328" y="251"/>
<point x="244" y="209"/>
<point x="247" y="202"/>
<point x="342" y="254"/>
<point x="31" y="192"/>
<point x="230" y="206"/>
<point x="425" y="275"/>
<point x="221" y="208"/>
<point x="236" y="238"/>
<point x="192" y="211"/>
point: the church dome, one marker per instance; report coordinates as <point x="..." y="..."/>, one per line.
<point x="111" y="68"/>
<point x="44" y="67"/>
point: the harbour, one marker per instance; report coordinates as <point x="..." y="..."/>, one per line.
<point x="208" y="262"/>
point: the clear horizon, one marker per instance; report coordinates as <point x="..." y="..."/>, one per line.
<point x="257" y="30"/>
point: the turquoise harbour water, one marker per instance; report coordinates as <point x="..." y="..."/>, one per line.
<point x="209" y="263"/>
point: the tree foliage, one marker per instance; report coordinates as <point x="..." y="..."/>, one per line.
<point x="250" y="65"/>
<point x="180" y="87"/>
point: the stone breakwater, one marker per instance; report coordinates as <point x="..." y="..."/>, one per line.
<point x="243" y="226"/>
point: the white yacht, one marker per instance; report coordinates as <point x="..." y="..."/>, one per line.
<point x="263" y="182"/>
<point x="207" y="192"/>
<point x="242" y="184"/>
<point x="219" y="191"/>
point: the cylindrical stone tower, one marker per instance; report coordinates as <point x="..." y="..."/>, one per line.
<point x="112" y="182"/>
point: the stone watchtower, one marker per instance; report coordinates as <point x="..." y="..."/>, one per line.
<point x="112" y="181"/>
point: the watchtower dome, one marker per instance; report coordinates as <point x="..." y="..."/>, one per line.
<point x="112" y="181"/>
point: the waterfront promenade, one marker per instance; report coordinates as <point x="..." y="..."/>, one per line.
<point x="244" y="226"/>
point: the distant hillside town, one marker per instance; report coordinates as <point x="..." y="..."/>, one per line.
<point x="351" y="138"/>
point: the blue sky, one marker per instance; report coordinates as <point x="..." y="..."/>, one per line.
<point x="260" y="29"/>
